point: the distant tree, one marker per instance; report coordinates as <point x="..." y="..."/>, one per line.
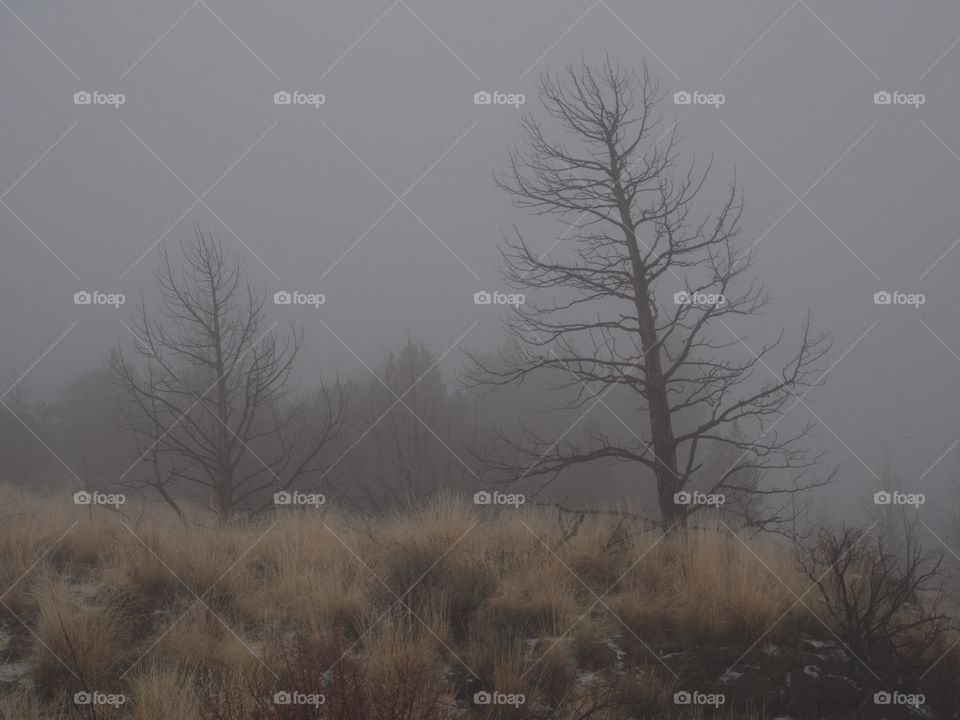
<point x="206" y="393"/>
<point x="638" y="302"/>
<point x="893" y="523"/>
<point x="23" y="422"/>
<point x="410" y="434"/>
<point x="85" y="421"/>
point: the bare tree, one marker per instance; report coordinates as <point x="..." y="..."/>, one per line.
<point x="207" y="395"/>
<point x="641" y="292"/>
<point x="894" y="523"/>
<point x="888" y="608"/>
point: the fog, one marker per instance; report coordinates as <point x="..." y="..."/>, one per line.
<point x="382" y="197"/>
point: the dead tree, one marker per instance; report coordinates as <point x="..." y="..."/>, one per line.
<point x="641" y="289"/>
<point x="207" y="390"/>
<point x="888" y="608"/>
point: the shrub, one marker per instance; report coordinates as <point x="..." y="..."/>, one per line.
<point x="886" y="607"/>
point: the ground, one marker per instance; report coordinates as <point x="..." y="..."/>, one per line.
<point x="448" y="611"/>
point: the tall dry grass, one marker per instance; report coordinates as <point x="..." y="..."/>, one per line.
<point x="440" y="602"/>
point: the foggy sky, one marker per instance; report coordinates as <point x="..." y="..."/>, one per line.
<point x="307" y="193"/>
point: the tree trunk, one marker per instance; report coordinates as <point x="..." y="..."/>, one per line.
<point x="658" y="409"/>
<point x="672" y="514"/>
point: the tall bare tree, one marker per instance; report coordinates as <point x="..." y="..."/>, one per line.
<point x="207" y="393"/>
<point x="641" y="290"/>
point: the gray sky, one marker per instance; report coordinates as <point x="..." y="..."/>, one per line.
<point x="382" y="197"/>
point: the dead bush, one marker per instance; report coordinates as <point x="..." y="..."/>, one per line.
<point x="885" y="606"/>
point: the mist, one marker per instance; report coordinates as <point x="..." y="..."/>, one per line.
<point x="382" y="197"/>
<point x="340" y="208"/>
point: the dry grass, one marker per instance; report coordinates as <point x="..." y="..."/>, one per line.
<point x="444" y="602"/>
<point x="162" y="692"/>
<point x="77" y="644"/>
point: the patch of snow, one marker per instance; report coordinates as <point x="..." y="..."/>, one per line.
<point x="257" y="647"/>
<point x="14" y="671"/>
<point x="83" y="593"/>
<point x="585" y="677"/>
<point x="621" y="654"/>
<point x="844" y="679"/>
<point x="730" y="676"/>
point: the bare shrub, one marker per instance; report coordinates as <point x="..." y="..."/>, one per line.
<point x="887" y="609"/>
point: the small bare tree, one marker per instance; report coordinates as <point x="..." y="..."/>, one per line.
<point x="640" y="299"/>
<point x="887" y="607"/>
<point x="207" y="392"/>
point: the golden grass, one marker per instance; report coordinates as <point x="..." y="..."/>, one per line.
<point x="448" y="594"/>
<point x="77" y="644"/>
<point x="162" y="692"/>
